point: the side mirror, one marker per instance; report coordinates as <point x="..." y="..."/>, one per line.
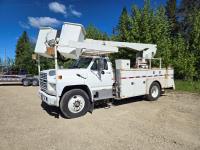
<point x="100" y="66"/>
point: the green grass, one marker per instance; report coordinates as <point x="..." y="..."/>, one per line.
<point x="190" y="86"/>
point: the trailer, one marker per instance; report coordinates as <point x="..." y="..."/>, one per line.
<point x="18" y="77"/>
<point x="92" y="76"/>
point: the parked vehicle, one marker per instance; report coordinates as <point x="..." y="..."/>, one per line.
<point x="18" y="77"/>
<point x="92" y="78"/>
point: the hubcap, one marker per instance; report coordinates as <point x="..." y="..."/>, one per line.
<point x="76" y="104"/>
<point x="154" y="91"/>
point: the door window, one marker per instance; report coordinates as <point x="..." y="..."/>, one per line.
<point x="95" y="64"/>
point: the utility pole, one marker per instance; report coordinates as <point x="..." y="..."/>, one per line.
<point x="5" y="61"/>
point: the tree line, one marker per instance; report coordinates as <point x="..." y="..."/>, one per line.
<point x="175" y="30"/>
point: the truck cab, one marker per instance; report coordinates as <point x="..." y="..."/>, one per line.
<point x="91" y="74"/>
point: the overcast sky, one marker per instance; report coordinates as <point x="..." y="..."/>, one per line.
<point x="19" y="15"/>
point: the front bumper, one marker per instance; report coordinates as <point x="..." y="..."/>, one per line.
<point x="48" y="99"/>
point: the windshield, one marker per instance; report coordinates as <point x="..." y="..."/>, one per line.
<point x="82" y="62"/>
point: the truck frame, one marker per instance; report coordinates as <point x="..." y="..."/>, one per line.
<point x="92" y="76"/>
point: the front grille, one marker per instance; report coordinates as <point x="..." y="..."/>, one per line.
<point x="43" y="81"/>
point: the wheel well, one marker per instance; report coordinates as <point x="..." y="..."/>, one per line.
<point x="25" y="79"/>
<point x="158" y="83"/>
<point x="82" y="87"/>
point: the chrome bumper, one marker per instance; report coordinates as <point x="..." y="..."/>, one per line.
<point x="48" y="99"/>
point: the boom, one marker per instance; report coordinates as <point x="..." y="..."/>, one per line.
<point x="71" y="43"/>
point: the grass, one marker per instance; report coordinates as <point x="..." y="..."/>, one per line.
<point x="189" y="86"/>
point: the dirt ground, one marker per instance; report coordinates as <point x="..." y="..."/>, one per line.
<point x="172" y="122"/>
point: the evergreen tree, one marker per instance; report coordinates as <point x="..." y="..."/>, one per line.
<point x="171" y="13"/>
<point x="186" y="10"/>
<point x="195" y="39"/>
<point x="148" y="26"/>
<point x="146" y="22"/>
<point x="161" y="36"/>
<point x="123" y="27"/>
<point x="136" y="17"/>
<point x="94" y="33"/>
<point x="1" y="61"/>
<point x="183" y="60"/>
<point x="23" y="58"/>
<point x="123" y="34"/>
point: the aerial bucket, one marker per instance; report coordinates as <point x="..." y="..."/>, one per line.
<point x="45" y="34"/>
<point x="71" y="32"/>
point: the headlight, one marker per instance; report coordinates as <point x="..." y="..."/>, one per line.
<point x="51" y="89"/>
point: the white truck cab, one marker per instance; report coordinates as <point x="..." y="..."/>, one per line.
<point x="91" y="77"/>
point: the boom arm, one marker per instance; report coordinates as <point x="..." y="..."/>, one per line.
<point x="148" y="50"/>
<point x="71" y="43"/>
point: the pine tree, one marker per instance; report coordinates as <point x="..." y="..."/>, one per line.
<point x="136" y="17"/>
<point x="94" y="33"/>
<point x="161" y="36"/>
<point x="171" y="13"/>
<point x="123" y="34"/>
<point x="123" y="27"/>
<point x="146" y="18"/>
<point x="195" y="38"/>
<point x="23" y="57"/>
<point x="186" y="10"/>
<point x="183" y="60"/>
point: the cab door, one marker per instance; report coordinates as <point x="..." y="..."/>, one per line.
<point x="101" y="81"/>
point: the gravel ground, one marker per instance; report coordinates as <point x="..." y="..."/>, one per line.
<point x="172" y="122"/>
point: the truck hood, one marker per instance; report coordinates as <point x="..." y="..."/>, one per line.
<point x="72" y="72"/>
<point x="67" y="74"/>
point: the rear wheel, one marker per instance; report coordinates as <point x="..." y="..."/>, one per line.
<point x="35" y="82"/>
<point x="26" y="82"/>
<point x="74" y="103"/>
<point x="154" y="91"/>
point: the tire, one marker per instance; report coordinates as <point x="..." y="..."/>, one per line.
<point x="35" y="82"/>
<point x="74" y="103"/>
<point x="26" y="82"/>
<point x="154" y="91"/>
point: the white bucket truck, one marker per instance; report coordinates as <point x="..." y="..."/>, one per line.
<point x="92" y="77"/>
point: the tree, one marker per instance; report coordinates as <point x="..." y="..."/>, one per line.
<point x="123" y="34"/>
<point x="23" y="57"/>
<point x="94" y="33"/>
<point x="183" y="60"/>
<point x="161" y="36"/>
<point x="146" y="22"/>
<point x="1" y="61"/>
<point x="195" y="38"/>
<point x="171" y="13"/>
<point x="185" y="11"/>
<point x="123" y="27"/>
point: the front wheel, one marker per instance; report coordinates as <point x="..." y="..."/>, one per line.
<point x="74" y="103"/>
<point x="154" y="91"/>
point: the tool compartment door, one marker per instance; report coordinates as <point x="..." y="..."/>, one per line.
<point x="132" y="83"/>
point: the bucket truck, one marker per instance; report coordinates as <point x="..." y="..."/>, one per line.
<point x="92" y="76"/>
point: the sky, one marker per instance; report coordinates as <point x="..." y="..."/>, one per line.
<point x="28" y="15"/>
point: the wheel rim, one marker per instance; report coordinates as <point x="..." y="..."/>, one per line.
<point x="25" y="82"/>
<point x="76" y="104"/>
<point x="34" y="82"/>
<point x="154" y="91"/>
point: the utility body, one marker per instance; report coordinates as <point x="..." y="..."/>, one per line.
<point x="92" y="76"/>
